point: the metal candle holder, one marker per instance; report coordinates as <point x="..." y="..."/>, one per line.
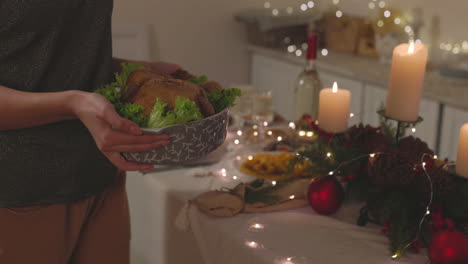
<point x="400" y="124"/>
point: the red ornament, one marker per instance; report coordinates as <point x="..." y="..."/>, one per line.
<point x="325" y="195"/>
<point x="449" y="247"/>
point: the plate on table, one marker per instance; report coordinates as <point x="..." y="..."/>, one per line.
<point x="269" y="165"/>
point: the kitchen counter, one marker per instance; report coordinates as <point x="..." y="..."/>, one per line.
<point x="447" y="91"/>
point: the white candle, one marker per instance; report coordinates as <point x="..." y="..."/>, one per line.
<point x="334" y="109"/>
<point x="406" y="81"/>
<point x="462" y="157"/>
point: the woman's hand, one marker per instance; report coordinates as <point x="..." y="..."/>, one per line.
<point x="112" y="133"/>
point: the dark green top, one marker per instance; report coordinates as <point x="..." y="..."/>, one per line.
<point x="48" y="46"/>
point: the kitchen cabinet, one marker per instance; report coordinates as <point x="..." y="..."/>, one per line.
<point x="374" y="99"/>
<point x="278" y="74"/>
<point x="279" y="77"/>
<point x="452" y="121"/>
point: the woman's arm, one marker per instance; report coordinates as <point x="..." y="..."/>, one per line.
<point x="24" y="109"/>
<point x="112" y="133"/>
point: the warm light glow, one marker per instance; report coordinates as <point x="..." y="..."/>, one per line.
<point x="436" y="157"/>
<point x="335" y="87"/>
<point x="324" y="52"/>
<point x="252" y="244"/>
<point x="238" y="158"/>
<point x="395" y="256"/>
<point x="273" y="183"/>
<point x="250" y="157"/>
<point x="298" y="53"/>
<point x="411" y="48"/>
<point x="387" y="13"/>
<point x="291" y="48"/>
<point x="339" y="13"/>
<point x="372" y="155"/>
<point x="310" y="4"/>
<point x="275" y="12"/>
<point x="257" y="226"/>
<point x="397" y="21"/>
<point x="428" y="212"/>
<point x="255" y="133"/>
<point x="237" y="142"/>
<point x="234" y="177"/>
<point x="351" y="115"/>
<point x="239" y="133"/>
<point x="303" y="7"/>
<point x="223" y="170"/>
<point x="265" y="123"/>
<point x="255" y="127"/>
<point x="292" y="197"/>
<point x="408" y="29"/>
<point x="331" y="173"/>
<point x="302" y="133"/>
<point x="424" y="164"/>
<point x="413" y="130"/>
<point x="280" y="138"/>
<point x="310" y="134"/>
<point x="328" y="154"/>
<point x="292" y="125"/>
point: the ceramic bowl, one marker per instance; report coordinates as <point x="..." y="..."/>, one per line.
<point x="189" y="141"/>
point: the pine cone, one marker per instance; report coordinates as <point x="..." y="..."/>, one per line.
<point x="367" y="137"/>
<point x="442" y="183"/>
<point x="391" y="168"/>
<point x="414" y="148"/>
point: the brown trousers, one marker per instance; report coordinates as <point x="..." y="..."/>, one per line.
<point x="91" y="231"/>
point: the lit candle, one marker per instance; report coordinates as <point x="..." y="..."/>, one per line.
<point x="406" y="82"/>
<point x="334" y="109"/>
<point x="462" y="157"/>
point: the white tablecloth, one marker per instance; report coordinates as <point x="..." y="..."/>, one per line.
<point x="300" y="234"/>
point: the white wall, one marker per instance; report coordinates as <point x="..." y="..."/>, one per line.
<point x="202" y="35"/>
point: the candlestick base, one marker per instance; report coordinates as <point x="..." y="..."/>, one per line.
<point x="401" y="125"/>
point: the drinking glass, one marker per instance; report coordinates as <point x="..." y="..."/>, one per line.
<point x="262" y="112"/>
<point x="262" y="107"/>
<point x="243" y="107"/>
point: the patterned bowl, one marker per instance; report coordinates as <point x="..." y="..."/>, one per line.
<point x="189" y="141"/>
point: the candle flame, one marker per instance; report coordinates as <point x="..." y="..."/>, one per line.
<point x="411" y="48"/>
<point x="335" y="87"/>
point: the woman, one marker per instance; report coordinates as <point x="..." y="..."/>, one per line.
<point x="62" y="199"/>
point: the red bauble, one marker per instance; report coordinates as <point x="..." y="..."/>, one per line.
<point x="325" y="195"/>
<point x="449" y="247"/>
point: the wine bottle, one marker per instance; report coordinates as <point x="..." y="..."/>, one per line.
<point x="308" y="84"/>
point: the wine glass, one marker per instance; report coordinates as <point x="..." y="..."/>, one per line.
<point x="243" y="106"/>
<point x="262" y="111"/>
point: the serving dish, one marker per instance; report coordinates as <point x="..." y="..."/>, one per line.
<point x="189" y="141"/>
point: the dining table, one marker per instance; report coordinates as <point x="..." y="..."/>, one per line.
<point x="168" y="229"/>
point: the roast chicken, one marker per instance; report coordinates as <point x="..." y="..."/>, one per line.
<point x="145" y="86"/>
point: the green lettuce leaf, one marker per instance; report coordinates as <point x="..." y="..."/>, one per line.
<point x="199" y="80"/>
<point x="112" y="92"/>
<point x="224" y="98"/>
<point x="184" y="111"/>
